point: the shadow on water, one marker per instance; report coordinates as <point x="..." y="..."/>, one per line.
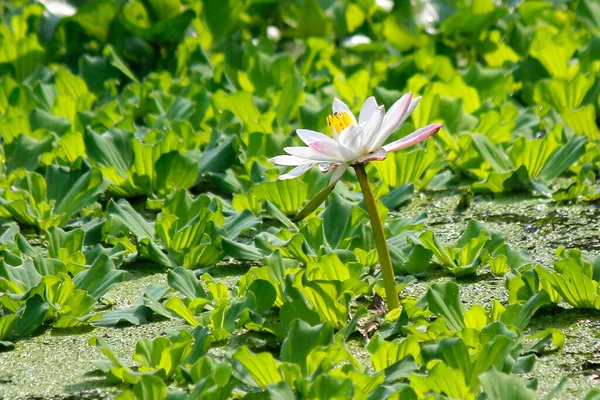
<point x="81" y="330"/>
<point x="232" y="269"/>
<point x="95" y="389"/>
<point x="563" y="318"/>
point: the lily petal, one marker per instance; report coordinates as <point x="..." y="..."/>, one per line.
<point x="413" y="104"/>
<point x="308" y="136"/>
<point x="326" y="167"/>
<point x="393" y="118"/>
<point x="351" y="138"/>
<point x="296" y="172"/>
<point x="306" y="153"/>
<point x="372" y="128"/>
<point x="340" y="106"/>
<point x="289" y="160"/>
<point x="379" y="155"/>
<point x="367" y="110"/>
<point x="332" y="152"/>
<point x="338" y="172"/>
<point x="417" y="136"/>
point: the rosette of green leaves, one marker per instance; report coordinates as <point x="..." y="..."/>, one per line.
<point x="528" y="164"/>
<point x="37" y="288"/>
<point x="575" y="278"/>
<point x="143" y="164"/>
<point x="190" y="230"/>
<point x="51" y="199"/>
<point x="476" y="247"/>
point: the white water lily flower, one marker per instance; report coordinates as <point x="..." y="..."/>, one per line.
<point x="353" y="141"/>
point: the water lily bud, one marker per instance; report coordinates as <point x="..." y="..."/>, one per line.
<point x="387" y="5"/>
<point x="356" y="40"/>
<point x="273" y="33"/>
<point x="59" y="9"/>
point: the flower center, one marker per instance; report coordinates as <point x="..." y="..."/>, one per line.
<point x="338" y="122"/>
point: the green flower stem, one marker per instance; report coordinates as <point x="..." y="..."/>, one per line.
<point x="385" y="261"/>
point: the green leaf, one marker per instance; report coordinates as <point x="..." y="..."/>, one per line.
<point x="330" y="387"/>
<point x="239" y="223"/>
<point x="575" y="286"/>
<point x="223" y="17"/>
<point x="399" y="195"/>
<point x="186" y="283"/>
<point x="125" y="214"/>
<point x="386" y="354"/>
<point x="554" y="50"/>
<point x="24" y="152"/>
<point x="241" y="251"/>
<point x="496" y="157"/>
<point x="287" y="195"/>
<point x="442" y="380"/>
<point x="264" y="293"/>
<point x="302" y="339"/>
<point x="309" y="18"/>
<point x="520" y="315"/>
<point x="258" y="370"/>
<point x="58" y="239"/>
<point x="340" y="220"/>
<point x="456" y="355"/>
<point x="563" y="158"/>
<point x="218" y="158"/>
<point x="327" y="300"/>
<point x="174" y="171"/>
<point x="23" y="55"/>
<point x="137" y="314"/>
<point x="443" y="299"/>
<point x="95" y="17"/>
<point x="150" y="387"/>
<point x="499" y="386"/>
<point x="110" y="149"/>
<point x="30" y="319"/>
<point x="54" y="198"/>
<point x="99" y="278"/>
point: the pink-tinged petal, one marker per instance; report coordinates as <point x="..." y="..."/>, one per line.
<point x="367" y="110"/>
<point x="300" y="151"/>
<point x="392" y="119"/>
<point x="372" y="128"/>
<point x="338" y="172"/>
<point x="307" y="153"/>
<point x="413" y="104"/>
<point x="340" y="106"/>
<point x="308" y="136"/>
<point x="332" y="152"/>
<point x="379" y="155"/>
<point x="289" y="160"/>
<point x="351" y="138"/>
<point x="417" y="136"/>
<point x="326" y="167"/>
<point x="296" y="172"/>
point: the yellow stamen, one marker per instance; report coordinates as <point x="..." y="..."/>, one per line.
<point x="338" y="122"/>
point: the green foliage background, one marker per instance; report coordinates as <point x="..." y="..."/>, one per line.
<point x="140" y="131"/>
